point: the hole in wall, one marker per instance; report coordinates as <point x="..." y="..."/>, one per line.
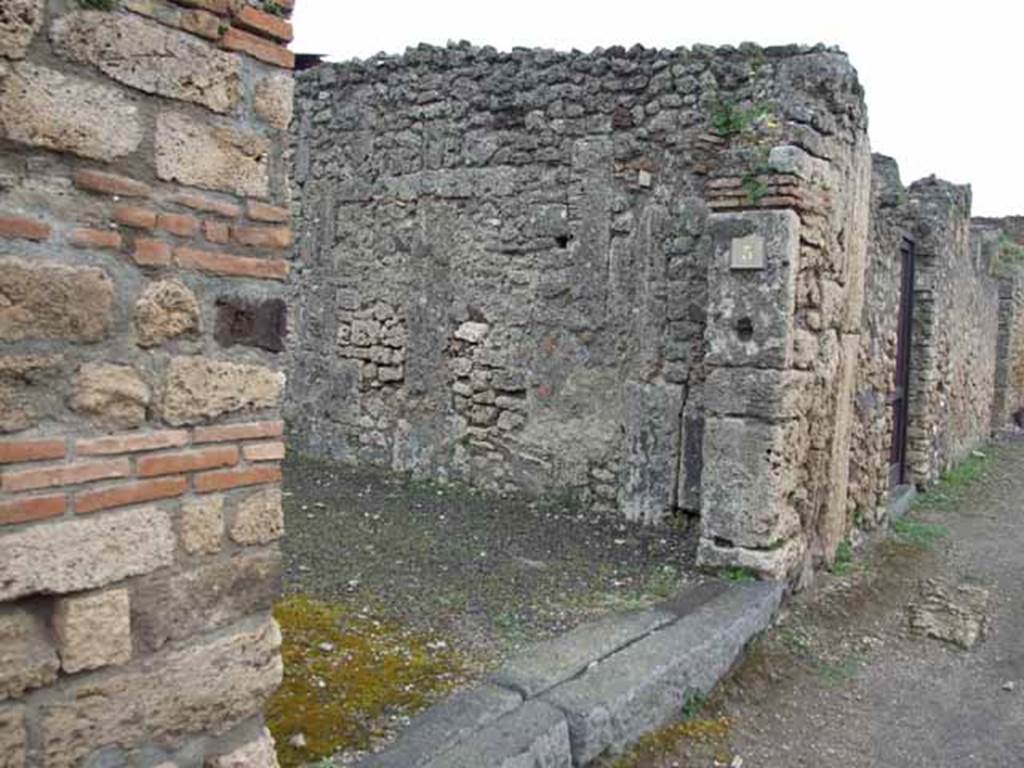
<point x="745" y="328"/>
<point x="563" y="240"/>
<point x="722" y="542"/>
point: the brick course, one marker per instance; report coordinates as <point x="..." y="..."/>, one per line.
<point x="66" y="474"/>
<point x="16" y="451"/>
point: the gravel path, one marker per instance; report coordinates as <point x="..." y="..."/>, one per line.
<point x="485" y="574"/>
<point x="843" y="681"/>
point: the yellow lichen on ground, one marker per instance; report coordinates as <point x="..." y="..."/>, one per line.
<point x="346" y="674"/>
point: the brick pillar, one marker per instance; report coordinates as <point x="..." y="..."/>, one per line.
<point x="144" y="247"/>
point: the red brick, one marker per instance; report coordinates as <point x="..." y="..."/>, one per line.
<point x="131" y="443"/>
<point x="135" y="492"/>
<point x="271" y="213"/>
<point x="262" y="23"/>
<point x="272" y="451"/>
<point x="14" y="451"/>
<point x="151" y="253"/>
<point x="223" y="479"/>
<point x="232" y="266"/>
<point x="135" y="216"/>
<point x="207" y="204"/>
<point x="65" y="474"/>
<point x="29" y="508"/>
<point x="110" y="184"/>
<point x="23" y="228"/>
<point x="262" y="237"/>
<point x="245" y="42"/>
<point x="250" y="430"/>
<point x="187" y="461"/>
<point x="179" y="224"/>
<point x="84" y="237"/>
<point x="217" y="231"/>
<point x="220" y="7"/>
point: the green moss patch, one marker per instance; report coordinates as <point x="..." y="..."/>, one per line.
<point x="347" y="675"/>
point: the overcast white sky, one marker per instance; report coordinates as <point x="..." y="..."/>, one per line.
<point x="944" y="81"/>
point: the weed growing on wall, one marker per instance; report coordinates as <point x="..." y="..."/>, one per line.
<point x="98" y="5"/>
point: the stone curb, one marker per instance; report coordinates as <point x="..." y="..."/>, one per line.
<point x="564" y="702"/>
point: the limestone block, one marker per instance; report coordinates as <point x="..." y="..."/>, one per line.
<point x="202" y="524"/>
<point x="198" y="389"/>
<point x="652" y="430"/>
<point x="551" y="662"/>
<point x="778" y="563"/>
<point x="206" y="687"/>
<point x="472" y="332"/>
<point x="151" y="57"/>
<point x="13" y="738"/>
<point x="750" y="311"/>
<point x="763" y="393"/>
<point x="165" y="310"/>
<point x="73" y="555"/>
<point x="19" y="22"/>
<point x="258" y="753"/>
<point x="259" y="518"/>
<point x="46" y="108"/>
<point x="535" y="734"/>
<point x="93" y="630"/>
<point x="443" y="725"/>
<point x="112" y="396"/>
<point x="27" y="656"/>
<point x="50" y="301"/>
<point x="787" y="158"/>
<point x="644" y="685"/>
<point x="212" y="156"/>
<point x="272" y="99"/>
<point x="28" y="389"/>
<point x="746" y="483"/>
<point x="174" y="606"/>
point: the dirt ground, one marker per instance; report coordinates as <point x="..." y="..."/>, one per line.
<point x="486" y="573"/>
<point x="843" y="681"/>
<point x="400" y="591"/>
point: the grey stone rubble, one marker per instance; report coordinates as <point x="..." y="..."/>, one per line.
<point x="594" y="690"/>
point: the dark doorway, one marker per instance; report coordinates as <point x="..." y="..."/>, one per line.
<point x="901" y="392"/>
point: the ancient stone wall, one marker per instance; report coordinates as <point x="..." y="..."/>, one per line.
<point x="1006" y="238"/>
<point x="953" y="351"/>
<point x="143" y="247"/>
<point x="783" y="343"/>
<point x="872" y="426"/>
<point x="505" y="256"/>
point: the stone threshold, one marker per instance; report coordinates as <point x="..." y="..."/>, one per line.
<point x="592" y="691"/>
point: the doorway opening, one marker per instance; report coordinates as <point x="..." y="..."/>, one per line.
<point x="900" y="400"/>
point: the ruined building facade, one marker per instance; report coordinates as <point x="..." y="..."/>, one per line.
<point x="656" y="282"/>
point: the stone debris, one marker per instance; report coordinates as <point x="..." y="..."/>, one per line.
<point x="956" y="615"/>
